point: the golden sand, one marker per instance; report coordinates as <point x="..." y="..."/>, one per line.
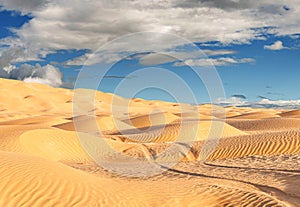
<point x="255" y="159"/>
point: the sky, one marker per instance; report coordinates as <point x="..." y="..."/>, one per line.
<point x="251" y="48"/>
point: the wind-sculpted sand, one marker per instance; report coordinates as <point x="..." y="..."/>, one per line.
<point x="222" y="156"/>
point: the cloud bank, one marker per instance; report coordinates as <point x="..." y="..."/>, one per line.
<point x="263" y="103"/>
<point x="47" y="74"/>
<point x="88" y="24"/>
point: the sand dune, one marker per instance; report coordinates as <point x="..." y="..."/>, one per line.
<point x="9" y="137"/>
<point x="183" y="132"/>
<point x="32" y="181"/>
<point x="274" y="143"/>
<point x="291" y="114"/>
<point x="261" y="126"/>
<point x="151" y="120"/>
<point x="256" y="115"/>
<point x="88" y="124"/>
<point x="33" y="98"/>
<point x="36" y="120"/>
<point x="53" y="144"/>
<point x="252" y="159"/>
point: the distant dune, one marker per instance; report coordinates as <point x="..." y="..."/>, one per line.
<point x="253" y="155"/>
<point x="291" y="114"/>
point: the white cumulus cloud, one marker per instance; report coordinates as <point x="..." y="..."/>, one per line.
<point x="278" y="45"/>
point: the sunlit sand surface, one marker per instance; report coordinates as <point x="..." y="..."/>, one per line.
<point x="254" y="158"/>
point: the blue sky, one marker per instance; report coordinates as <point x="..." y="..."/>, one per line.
<point x="274" y="74"/>
<point x="255" y="47"/>
<point x="11" y="19"/>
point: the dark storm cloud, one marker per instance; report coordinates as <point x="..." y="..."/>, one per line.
<point x="25" y="6"/>
<point x="47" y="74"/>
<point x="239" y="96"/>
<point x="222" y="4"/>
<point x="263" y="97"/>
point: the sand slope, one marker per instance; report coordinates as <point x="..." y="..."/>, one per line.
<point x="291" y="114"/>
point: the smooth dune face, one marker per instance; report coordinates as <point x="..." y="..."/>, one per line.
<point x="230" y="156"/>
<point x="291" y="114"/>
<point x="88" y="124"/>
<point x="53" y="144"/>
